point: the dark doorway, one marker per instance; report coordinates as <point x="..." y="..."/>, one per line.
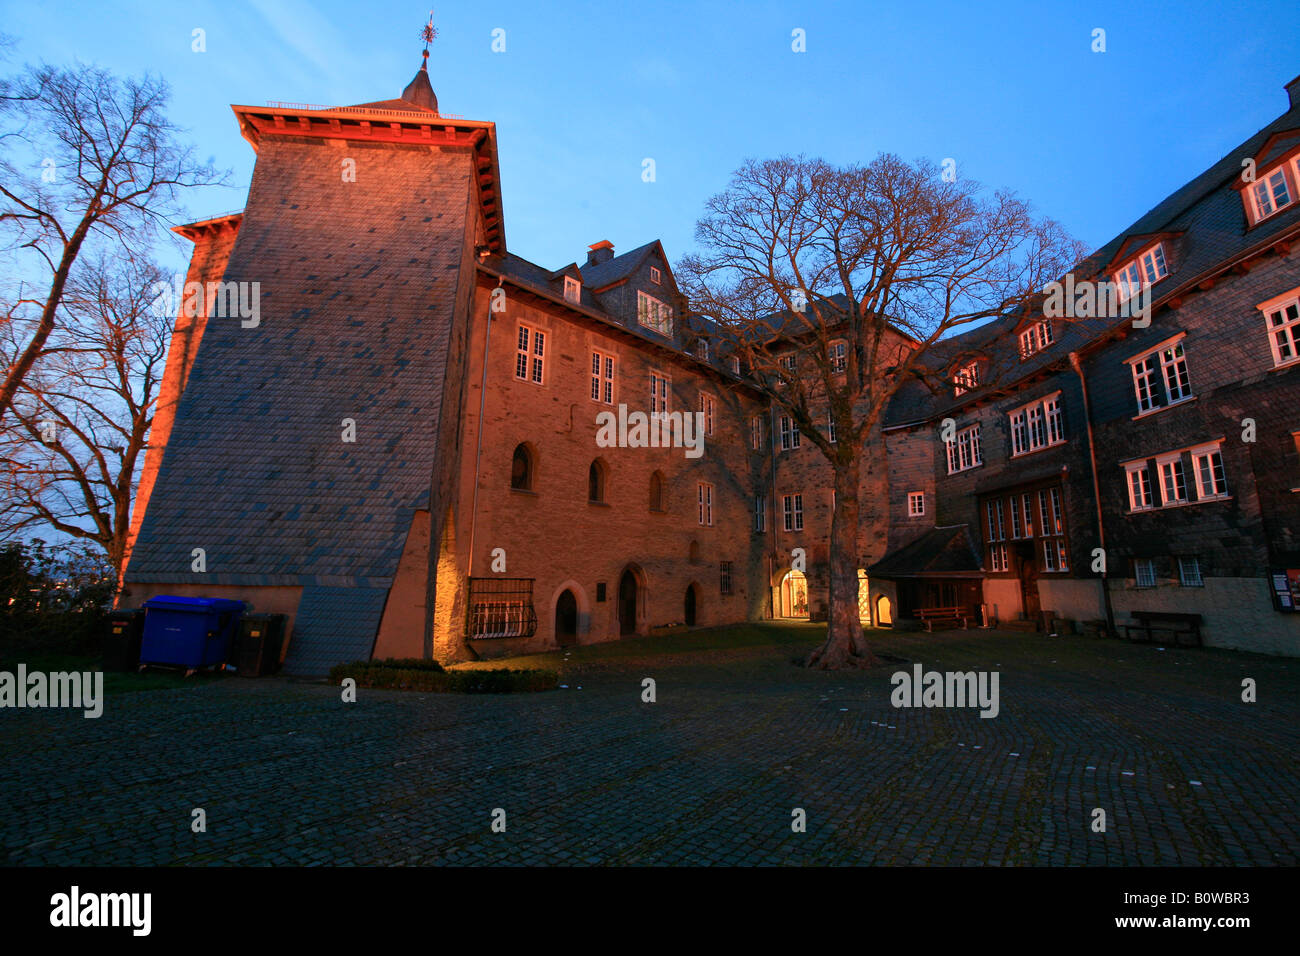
<point x="627" y="601"/>
<point x="690" y="606"/>
<point x="1028" y="574"/>
<point x="566" y="619"/>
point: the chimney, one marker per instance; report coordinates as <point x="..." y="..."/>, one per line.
<point x="1293" y="91"/>
<point x="603" y="251"/>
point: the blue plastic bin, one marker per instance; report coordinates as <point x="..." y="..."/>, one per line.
<point x="189" y="632"/>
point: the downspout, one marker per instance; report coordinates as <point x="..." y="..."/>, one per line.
<point x="773" y="590"/>
<point x="1096" y="493"/>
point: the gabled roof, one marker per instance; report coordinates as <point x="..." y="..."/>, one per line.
<point x="615" y="270"/>
<point x="940" y="552"/>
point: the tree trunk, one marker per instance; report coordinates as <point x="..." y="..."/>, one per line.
<point x="845" y="645"/>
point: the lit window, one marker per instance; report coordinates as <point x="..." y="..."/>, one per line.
<point x="839" y="356"/>
<point x="789" y="434"/>
<point x="1189" y="573"/>
<point x="1207" y="467"/>
<point x="916" y="503"/>
<point x="760" y="514"/>
<point x="572" y="289"/>
<point x="1144" y="572"/>
<point x="602" y="378"/>
<point x="1140" y="497"/>
<point x="1282" y="316"/>
<point x="654" y="314"/>
<point x="1160" y="377"/>
<point x="706" y="408"/>
<point x="1147" y="269"/>
<point x="1036" y="426"/>
<point x="964" y="450"/>
<point x="530" y="355"/>
<point x="658" y="394"/>
<point x="792" y="510"/>
<point x="966" y="378"/>
<point x="705" y="495"/>
<point x="1035" y="338"/>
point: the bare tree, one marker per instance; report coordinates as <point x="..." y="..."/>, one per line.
<point x="71" y="446"/>
<point x="887" y="258"/>
<point x="86" y="155"/>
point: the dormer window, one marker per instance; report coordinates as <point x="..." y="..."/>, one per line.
<point x="656" y="276"/>
<point x="966" y="378"/>
<point x="572" y="289"/>
<point x="735" y="364"/>
<point x="1147" y="269"/>
<point x="654" y="314"/>
<point x="702" y="349"/>
<point x="1272" y="193"/>
<point x="1035" y="338"/>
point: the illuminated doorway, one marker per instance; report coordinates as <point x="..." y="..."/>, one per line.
<point x="794" y="595"/>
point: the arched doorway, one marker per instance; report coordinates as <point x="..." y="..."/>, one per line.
<point x="629" y="599"/>
<point x="566" y="619"/>
<point x="692" y="597"/>
<point x="864" y="597"/>
<point x="884" y="612"/>
<point x="794" y="595"/>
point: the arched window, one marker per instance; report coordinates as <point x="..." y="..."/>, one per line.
<point x="521" y="469"/>
<point x="596" y="481"/>
<point x="657" y="492"/>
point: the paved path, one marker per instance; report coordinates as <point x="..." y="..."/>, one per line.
<point x="287" y="774"/>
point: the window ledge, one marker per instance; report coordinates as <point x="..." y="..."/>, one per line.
<point x="1156" y="411"/>
<point x="1180" y="504"/>
<point x="1035" y="451"/>
<point x="598" y="504"/>
<point x="524" y="491"/>
<point x="1278" y="366"/>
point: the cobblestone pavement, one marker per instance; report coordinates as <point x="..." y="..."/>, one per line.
<point x="1187" y="773"/>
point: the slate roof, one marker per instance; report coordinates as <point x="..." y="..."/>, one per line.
<point x="333" y="626"/>
<point x="937" y="553"/>
<point x="1207" y="215"/>
<point x="620" y="267"/>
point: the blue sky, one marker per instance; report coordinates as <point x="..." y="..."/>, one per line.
<point x="585" y="91"/>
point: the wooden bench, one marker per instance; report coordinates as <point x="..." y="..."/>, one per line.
<point x="943" y="615"/>
<point x="1150" y="624"/>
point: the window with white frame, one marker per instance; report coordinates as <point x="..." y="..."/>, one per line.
<point x="1038" y="425"/>
<point x="602" y="377"/>
<point x="572" y="289"/>
<point x="655" y="275"/>
<point x="706" y="408"/>
<point x="658" y="394"/>
<point x="1146" y="269"/>
<point x="1140" y="496"/>
<point x="1282" y="316"/>
<point x="1035" y="338"/>
<point x="756" y="432"/>
<point x="966" y="378"/>
<point x="792" y="511"/>
<point x="1173" y="479"/>
<point x="1144" y="572"/>
<point x="702" y="349"/>
<point x="1271" y="193"/>
<point x="830" y="427"/>
<point x="530" y="355"/>
<point x="915" y="504"/>
<point x="1052" y="530"/>
<point x="734" y="361"/>
<point x="654" y="314"/>
<point x="705" y="495"/>
<point x="839" y="356"/>
<point x="1189" y="573"/>
<point x="760" y="513"/>
<point x="996" y="514"/>
<point x="964" y="450"/>
<point x="1160" y="377"/>
<point x="789" y="433"/>
<point x="1207" y="469"/>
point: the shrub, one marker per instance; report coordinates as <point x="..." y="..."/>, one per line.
<point x="430" y="676"/>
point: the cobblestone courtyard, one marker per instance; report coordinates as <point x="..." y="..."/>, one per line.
<point x="1187" y="773"/>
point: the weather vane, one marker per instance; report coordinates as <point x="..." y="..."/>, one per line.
<point x="429" y="33"/>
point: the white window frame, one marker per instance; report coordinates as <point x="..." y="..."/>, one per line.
<point x="1189" y="572"/>
<point x="1144" y="572"/>
<point x="660" y="393"/>
<point x="916" y="504"/>
<point x="1172" y="473"/>
<point x="530" y="354"/>
<point x="1036" y="338"/>
<point x="1145" y="269"/>
<point x="792" y="512"/>
<point x="702" y="349"/>
<point x="1262" y="194"/>
<point x="756" y="432"/>
<point x="704" y="492"/>
<point x="572" y="289"/>
<point x="966" y="378"/>
<point x="1141" y="491"/>
<point x="760" y="514"/>
<point x="1209" y="455"/>
<point x="602" y="377"/>
<point x="1038" y="425"/>
<point x="655" y="275"/>
<point x="789" y="434"/>
<point x="839" y="351"/>
<point x="707" y="406"/>
<point x="734" y="362"/>
<point x="964" y="451"/>
<point x="1286" y="309"/>
<point x="1161" y="372"/>
<point x="654" y="313"/>
<point x="830" y="427"/>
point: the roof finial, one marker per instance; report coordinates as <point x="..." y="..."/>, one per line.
<point x="428" y="34"/>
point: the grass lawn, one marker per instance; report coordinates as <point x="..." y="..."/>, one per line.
<point x="115" y="682"/>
